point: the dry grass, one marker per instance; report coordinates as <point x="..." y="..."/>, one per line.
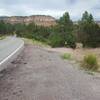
<point x="78" y="54"/>
<point x="35" y="42"/>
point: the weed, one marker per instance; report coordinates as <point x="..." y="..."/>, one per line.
<point x="66" y="56"/>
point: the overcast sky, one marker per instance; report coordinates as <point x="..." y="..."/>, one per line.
<point x="54" y="8"/>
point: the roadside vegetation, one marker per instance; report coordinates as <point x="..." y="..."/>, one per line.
<point x="90" y="62"/>
<point x="35" y="42"/>
<point x="87" y="58"/>
<point x="2" y="37"/>
<point x="66" y="56"/>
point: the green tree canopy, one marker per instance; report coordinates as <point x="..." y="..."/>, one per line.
<point x="64" y="32"/>
<point x="89" y="31"/>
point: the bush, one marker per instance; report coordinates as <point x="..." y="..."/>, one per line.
<point x="56" y="40"/>
<point x="61" y="40"/>
<point x="2" y="37"/>
<point x="66" y="56"/>
<point x="90" y="62"/>
<point x="71" y="41"/>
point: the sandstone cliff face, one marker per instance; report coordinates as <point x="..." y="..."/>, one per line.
<point x="37" y="19"/>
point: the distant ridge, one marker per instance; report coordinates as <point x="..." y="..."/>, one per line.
<point x="42" y="20"/>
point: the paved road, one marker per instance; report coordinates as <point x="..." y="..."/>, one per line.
<point x="8" y="45"/>
<point x="38" y="74"/>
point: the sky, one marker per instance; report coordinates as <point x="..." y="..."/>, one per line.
<point x="55" y="8"/>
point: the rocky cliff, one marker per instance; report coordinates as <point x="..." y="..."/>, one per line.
<point x="37" y="19"/>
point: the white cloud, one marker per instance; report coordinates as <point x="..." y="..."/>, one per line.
<point x="50" y="7"/>
<point x="80" y="6"/>
<point x="4" y="12"/>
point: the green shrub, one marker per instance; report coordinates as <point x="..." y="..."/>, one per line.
<point x="2" y="37"/>
<point x="56" y="40"/>
<point x="71" y="41"/>
<point x="66" y="56"/>
<point x="90" y="62"/>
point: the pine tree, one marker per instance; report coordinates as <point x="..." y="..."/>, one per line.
<point x="89" y="31"/>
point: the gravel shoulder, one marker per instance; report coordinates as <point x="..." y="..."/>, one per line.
<point x="40" y="74"/>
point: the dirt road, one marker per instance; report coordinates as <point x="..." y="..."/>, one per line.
<point x="38" y="74"/>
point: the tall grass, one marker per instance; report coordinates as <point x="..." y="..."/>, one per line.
<point x="35" y="42"/>
<point x="90" y="62"/>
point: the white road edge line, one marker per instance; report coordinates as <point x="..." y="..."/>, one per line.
<point x="3" y="61"/>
